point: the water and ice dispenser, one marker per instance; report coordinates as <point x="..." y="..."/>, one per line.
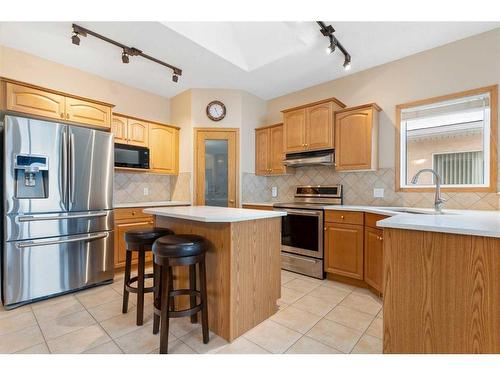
<point x="32" y="175"/>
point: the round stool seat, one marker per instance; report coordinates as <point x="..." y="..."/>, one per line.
<point x="146" y="236"/>
<point x="179" y="245"/>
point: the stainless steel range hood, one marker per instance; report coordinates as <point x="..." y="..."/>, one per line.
<point x="302" y="159"/>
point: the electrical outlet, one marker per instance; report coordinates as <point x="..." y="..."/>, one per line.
<point x="146" y="191"/>
<point x="274" y="191"/>
<point x="378" y="193"/>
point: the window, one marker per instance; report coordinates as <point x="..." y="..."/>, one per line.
<point x="454" y="135"/>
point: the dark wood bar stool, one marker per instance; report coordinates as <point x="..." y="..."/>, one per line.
<point x="140" y="240"/>
<point x="179" y="250"/>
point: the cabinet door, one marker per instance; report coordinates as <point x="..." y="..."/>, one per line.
<point x="353" y="140"/>
<point x="374" y="258"/>
<point x="164" y="148"/>
<point x="344" y="250"/>
<point x="119" y="129"/>
<point x="319" y="127"/>
<point x="294" y="129"/>
<point x="120" y="246"/>
<point x="138" y="133"/>
<point x="88" y="113"/>
<point x="262" y="150"/>
<point x="276" y="153"/>
<point x="33" y="101"/>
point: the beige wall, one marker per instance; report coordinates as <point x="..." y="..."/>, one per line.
<point x="32" y="69"/>
<point x="466" y="64"/>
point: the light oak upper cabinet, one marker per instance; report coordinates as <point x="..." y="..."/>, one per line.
<point x="164" y="148"/>
<point x="89" y="113"/>
<point x="356" y="138"/>
<point x="119" y="127"/>
<point x="310" y="127"/>
<point x="269" y="150"/>
<point x="33" y="101"/>
<point x="319" y="126"/>
<point x="138" y="133"/>
<point x="37" y="101"/>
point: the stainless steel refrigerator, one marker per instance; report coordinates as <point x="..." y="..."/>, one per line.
<point x="57" y="217"/>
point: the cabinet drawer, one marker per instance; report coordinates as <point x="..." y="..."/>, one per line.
<point x="344" y="217"/>
<point x="131" y="213"/>
<point x="371" y="219"/>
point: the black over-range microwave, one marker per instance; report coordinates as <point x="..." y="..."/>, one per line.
<point x="130" y="156"/>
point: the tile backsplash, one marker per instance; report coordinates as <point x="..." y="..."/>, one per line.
<point x="358" y="189"/>
<point x="129" y="187"/>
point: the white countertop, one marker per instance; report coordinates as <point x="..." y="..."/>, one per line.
<point x="151" y="204"/>
<point x="210" y="214"/>
<point x="467" y="222"/>
<point x="267" y="204"/>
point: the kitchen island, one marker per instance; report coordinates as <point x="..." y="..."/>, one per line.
<point x="243" y="262"/>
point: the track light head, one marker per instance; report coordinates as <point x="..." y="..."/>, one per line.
<point x="125" y="58"/>
<point x="75" y="39"/>
<point x="332" y="45"/>
<point x="175" y="78"/>
<point x="347" y="62"/>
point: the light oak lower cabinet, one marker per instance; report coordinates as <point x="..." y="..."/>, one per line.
<point x="374" y="251"/>
<point x="128" y="219"/>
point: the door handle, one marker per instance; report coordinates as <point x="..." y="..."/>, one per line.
<point x="231" y="201"/>
<point x="64" y="172"/>
<point x="28" y="218"/>
<point x="37" y="243"/>
<point x="72" y="167"/>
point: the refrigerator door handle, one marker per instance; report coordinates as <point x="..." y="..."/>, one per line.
<point x="64" y="171"/>
<point x="72" y="168"/>
<point x="86" y="238"/>
<point x="90" y="215"/>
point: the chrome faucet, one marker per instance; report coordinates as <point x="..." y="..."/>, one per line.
<point x="438" y="200"/>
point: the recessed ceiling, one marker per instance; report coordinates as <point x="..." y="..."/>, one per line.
<point x="267" y="59"/>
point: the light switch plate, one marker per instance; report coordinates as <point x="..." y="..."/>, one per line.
<point x="274" y="191"/>
<point x="378" y="193"/>
<point x="146" y="191"/>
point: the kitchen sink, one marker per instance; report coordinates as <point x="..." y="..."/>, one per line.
<point x="415" y="211"/>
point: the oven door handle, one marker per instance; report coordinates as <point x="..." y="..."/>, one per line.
<point x="303" y="258"/>
<point x="302" y="212"/>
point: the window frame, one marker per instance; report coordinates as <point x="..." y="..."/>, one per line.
<point x="493" y="166"/>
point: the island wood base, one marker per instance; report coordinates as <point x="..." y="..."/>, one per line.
<point x="243" y="271"/>
<point x="441" y="293"/>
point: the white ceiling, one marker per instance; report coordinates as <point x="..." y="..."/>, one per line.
<point x="267" y="59"/>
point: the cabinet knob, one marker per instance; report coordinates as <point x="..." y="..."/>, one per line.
<point x="62" y="115"/>
<point x="67" y="116"/>
<point x="133" y="213"/>
<point x="231" y="201"/>
<point x="380" y="238"/>
<point x="342" y="217"/>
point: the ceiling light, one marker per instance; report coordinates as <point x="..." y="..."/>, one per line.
<point x="125" y="58"/>
<point x="347" y="63"/>
<point x="175" y="78"/>
<point x="334" y="43"/>
<point x="75" y="39"/>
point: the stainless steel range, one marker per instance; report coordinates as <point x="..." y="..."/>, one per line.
<point x="302" y="228"/>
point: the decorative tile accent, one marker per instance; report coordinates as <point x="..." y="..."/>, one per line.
<point x="129" y="187"/>
<point x="358" y="189"/>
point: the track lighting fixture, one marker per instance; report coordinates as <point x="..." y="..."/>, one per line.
<point x="334" y="43"/>
<point x="79" y="31"/>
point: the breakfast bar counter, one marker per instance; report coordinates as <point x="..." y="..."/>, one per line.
<point x="243" y="262"/>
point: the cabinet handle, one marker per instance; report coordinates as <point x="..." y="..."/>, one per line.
<point x="133" y="213"/>
<point x="380" y="238"/>
<point x="67" y="116"/>
<point x="342" y="217"/>
<point x="231" y="201"/>
<point x="62" y="115"/>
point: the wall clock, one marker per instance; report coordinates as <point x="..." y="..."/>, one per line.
<point x="216" y="110"/>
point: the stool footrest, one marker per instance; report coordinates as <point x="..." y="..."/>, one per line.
<point x="181" y="313"/>
<point x="132" y="289"/>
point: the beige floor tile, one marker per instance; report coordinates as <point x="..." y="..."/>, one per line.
<point x="182" y="326"/>
<point x="66" y="324"/>
<point x="282" y="305"/>
<point x="368" y="345"/>
<point x="364" y="303"/>
<point x="194" y="340"/>
<point x="365" y="291"/>
<point x="307" y="345"/>
<point x="9" y="313"/>
<point x="335" y="335"/>
<point x="103" y="294"/>
<point x="106" y="348"/>
<point x="35" y="349"/>
<point x="176" y="347"/>
<point x="19" y="340"/>
<point x="110" y="309"/>
<point x="272" y="336"/>
<point x="242" y="346"/>
<point x="315" y="305"/>
<point x="285" y="279"/>
<point x="302" y="285"/>
<point x="350" y="318"/>
<point x="309" y="279"/>
<point x="338" y="285"/>
<point x="381" y="313"/>
<point x="117" y="286"/>
<point x="333" y="295"/>
<point x="124" y="323"/>
<point x="79" y="341"/>
<point x="17" y="322"/>
<point x="290" y="274"/>
<point x="141" y="341"/>
<point x="376" y="328"/>
<point x="51" y="301"/>
<point x="289" y="296"/>
<point x="58" y="310"/>
<point x="298" y="320"/>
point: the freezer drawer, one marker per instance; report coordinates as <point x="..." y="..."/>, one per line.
<point x="40" y="268"/>
<point x="21" y="227"/>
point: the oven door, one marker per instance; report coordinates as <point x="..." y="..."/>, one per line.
<point x="302" y="232"/>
